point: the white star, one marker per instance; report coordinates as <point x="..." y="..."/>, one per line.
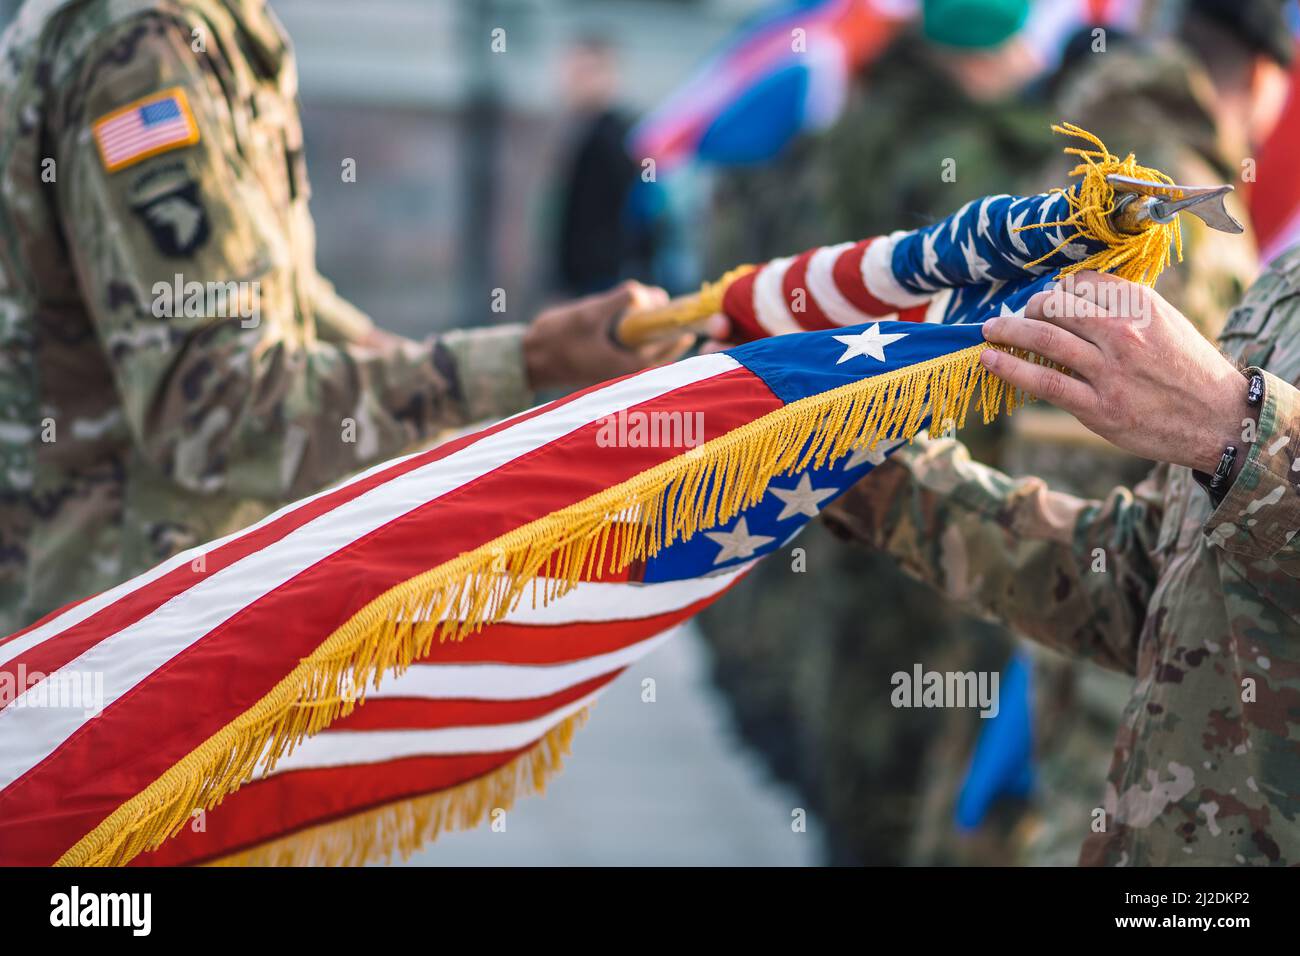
<point x="1016" y="223"/>
<point x="1010" y="313"/>
<point x="983" y="225"/>
<point x="957" y="221"/>
<point x="976" y="267"/>
<point x="929" y="257"/>
<point x="873" y="456"/>
<point x="738" y="542"/>
<point x="871" y="342"/>
<point x="1075" y="250"/>
<point x="803" y="499"/>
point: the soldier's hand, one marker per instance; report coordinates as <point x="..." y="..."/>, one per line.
<point x="569" y="345"/>
<point x="1144" y="378"/>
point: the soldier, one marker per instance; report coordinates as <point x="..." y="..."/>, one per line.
<point x="174" y="367"/>
<point x="1196" y="595"/>
<point x="1185" y="105"/>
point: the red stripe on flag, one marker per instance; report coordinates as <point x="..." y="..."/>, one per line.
<point x="422" y="713"/>
<point x="63" y="648"/>
<point x="809" y="313"/>
<point x="137" y="738"/>
<point x="285" y="803"/>
<point x="546" y="644"/>
<point x="738" y="304"/>
<point x="847" y="272"/>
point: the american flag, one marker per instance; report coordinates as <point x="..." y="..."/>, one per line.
<point x="516" y="571"/>
<point x="145" y="128"/>
<point x="757" y="90"/>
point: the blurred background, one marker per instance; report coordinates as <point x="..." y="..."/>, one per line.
<point x="550" y="148"/>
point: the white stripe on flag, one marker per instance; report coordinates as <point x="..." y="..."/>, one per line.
<point x="822" y="287"/>
<point x="602" y="601"/>
<point x="340" y="748"/>
<point x="878" y="274"/>
<point x="130" y="655"/>
<point x="938" y="307"/>
<point x="75" y="615"/>
<point x="769" y="299"/>
<point x="510" y="681"/>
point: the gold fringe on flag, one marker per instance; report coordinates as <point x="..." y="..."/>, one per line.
<point x="644" y="325"/>
<point x="699" y="489"/>
<point x="404" y="826"/>
<point x="1139" y="257"/>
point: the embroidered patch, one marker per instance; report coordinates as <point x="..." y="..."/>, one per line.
<point x="149" y="126"/>
<point x="177" y="221"/>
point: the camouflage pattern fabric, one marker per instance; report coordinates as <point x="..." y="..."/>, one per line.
<point x="1198" y="602"/>
<point x="135" y="422"/>
<point x="1152" y="100"/>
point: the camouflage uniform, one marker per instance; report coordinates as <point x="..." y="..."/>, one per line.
<point x="1199" y="602"/>
<point x="124" y="436"/>
<point x="1154" y="101"/>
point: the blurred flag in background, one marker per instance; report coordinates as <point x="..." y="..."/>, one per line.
<point x="1275" y="198"/>
<point x="769" y="83"/>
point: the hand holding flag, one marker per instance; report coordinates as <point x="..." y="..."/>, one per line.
<point x="233" y="672"/>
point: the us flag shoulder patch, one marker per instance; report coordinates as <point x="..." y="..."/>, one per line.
<point x="151" y="125"/>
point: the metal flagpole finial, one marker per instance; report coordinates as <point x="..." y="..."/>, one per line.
<point x="1139" y="201"/>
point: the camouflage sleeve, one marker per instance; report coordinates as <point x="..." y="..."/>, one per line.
<point x="1070" y="573"/>
<point x="1259" y="516"/>
<point x="337" y="320"/>
<point x="190" y="261"/>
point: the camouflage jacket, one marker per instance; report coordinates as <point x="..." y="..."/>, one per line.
<point x="1199" y="602"/>
<point x="172" y="366"/>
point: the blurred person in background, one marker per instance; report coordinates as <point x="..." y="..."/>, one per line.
<point x="605" y="229"/>
<point x="153" y="147"/>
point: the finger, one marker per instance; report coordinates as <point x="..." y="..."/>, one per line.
<point x="1071" y="394"/>
<point x="1092" y="286"/>
<point x="1043" y="338"/>
<point x="666" y="350"/>
<point x="718" y="327"/>
<point x="1119" y="301"/>
<point x="1081" y="317"/>
<point x="644" y="296"/>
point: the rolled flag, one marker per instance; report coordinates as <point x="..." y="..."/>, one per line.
<point x="412" y="649"/>
<point x="991" y="256"/>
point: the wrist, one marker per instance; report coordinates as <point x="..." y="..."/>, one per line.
<point x="539" y="360"/>
<point x="1226" y="422"/>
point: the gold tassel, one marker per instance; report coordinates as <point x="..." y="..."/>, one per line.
<point x="407" y="825"/>
<point x="1140" y="257"/>
<point x="630" y="521"/>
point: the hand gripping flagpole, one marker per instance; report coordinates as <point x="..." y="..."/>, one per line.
<point x="1130" y="211"/>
